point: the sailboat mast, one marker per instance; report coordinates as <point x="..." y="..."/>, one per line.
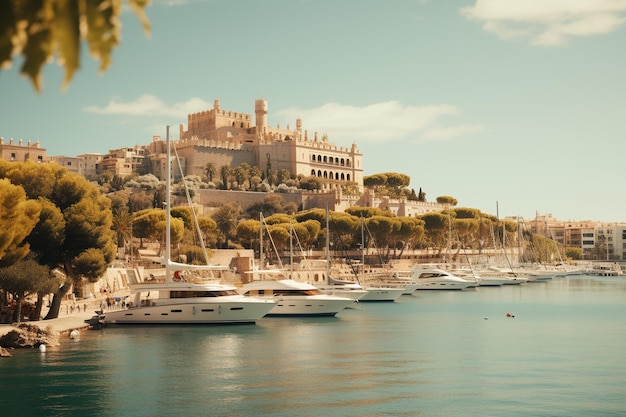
<point x="167" y="205"/>
<point x="261" y="255"/>
<point x="327" y="247"/>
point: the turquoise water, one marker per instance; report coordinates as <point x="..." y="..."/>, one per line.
<point x="442" y="353"/>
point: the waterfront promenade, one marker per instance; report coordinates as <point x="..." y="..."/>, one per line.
<point x="67" y="320"/>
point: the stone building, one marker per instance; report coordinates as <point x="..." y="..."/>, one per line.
<point x="598" y="241"/>
<point x="20" y="152"/>
<point x="223" y="137"/>
<point x="126" y="161"/>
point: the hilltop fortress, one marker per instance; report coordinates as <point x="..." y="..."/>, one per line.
<point x="229" y="138"/>
<point x="223" y="137"/>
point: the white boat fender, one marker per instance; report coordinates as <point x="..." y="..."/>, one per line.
<point x="42" y="348"/>
<point x="74" y="334"/>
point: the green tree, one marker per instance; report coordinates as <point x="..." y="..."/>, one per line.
<point x="421" y="196"/>
<point x="382" y="229"/>
<point x="376" y="180"/>
<point x="447" y="200"/>
<point x="225" y="173"/>
<point x="248" y="232"/>
<point x="410" y="233"/>
<point x="43" y="30"/>
<point x="150" y="224"/>
<point x="310" y="183"/>
<point x="122" y="226"/>
<point x="269" y="205"/>
<point x="24" y="278"/>
<point x="82" y="229"/>
<point x="367" y="212"/>
<point x="226" y="219"/>
<point x="436" y="227"/>
<point x="18" y="217"/>
<point x="210" y="170"/>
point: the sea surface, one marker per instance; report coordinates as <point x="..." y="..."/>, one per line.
<point x="437" y="353"/>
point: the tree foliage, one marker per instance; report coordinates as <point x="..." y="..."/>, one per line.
<point x="447" y="200"/>
<point x="18" y="217"/>
<point x="24" y="278"/>
<point x="74" y="231"/>
<point x="46" y="29"/>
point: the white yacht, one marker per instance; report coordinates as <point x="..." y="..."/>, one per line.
<point x="295" y="298"/>
<point x="438" y="279"/>
<point x="176" y="300"/>
<point x="182" y="302"/>
<point x="367" y="292"/>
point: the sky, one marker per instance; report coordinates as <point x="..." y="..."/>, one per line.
<point x="514" y="107"/>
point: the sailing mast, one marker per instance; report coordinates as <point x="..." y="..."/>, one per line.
<point x="168" y="180"/>
<point x="328" y="281"/>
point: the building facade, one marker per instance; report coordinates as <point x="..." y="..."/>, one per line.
<point x="598" y="241"/>
<point x="223" y="137"/>
<point x="18" y="151"/>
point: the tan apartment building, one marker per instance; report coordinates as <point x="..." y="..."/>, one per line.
<point x="598" y="241"/>
<point x="19" y="151"/>
<point x="71" y="163"/>
<point x="126" y="161"/>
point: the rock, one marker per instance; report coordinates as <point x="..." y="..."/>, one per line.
<point x="4" y="353"/>
<point x="28" y="336"/>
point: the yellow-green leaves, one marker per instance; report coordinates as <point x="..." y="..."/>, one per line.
<point x="44" y="30"/>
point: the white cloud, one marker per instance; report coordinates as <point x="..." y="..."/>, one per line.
<point x="442" y="133"/>
<point x="379" y="122"/>
<point x="149" y="105"/>
<point x="547" y="22"/>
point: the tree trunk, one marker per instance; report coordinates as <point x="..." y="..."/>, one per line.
<point x="36" y="314"/>
<point x="55" y="307"/>
<point x="17" y="313"/>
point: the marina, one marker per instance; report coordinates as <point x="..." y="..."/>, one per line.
<point x="549" y="348"/>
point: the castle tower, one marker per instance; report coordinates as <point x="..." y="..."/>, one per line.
<point x="260" y="110"/>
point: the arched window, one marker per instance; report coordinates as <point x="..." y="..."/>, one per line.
<point x="312" y="172"/>
<point x="319" y="158"/>
<point x="325" y="174"/>
<point x="343" y="176"/>
<point x="348" y="177"/>
<point x="313" y="157"/>
<point x="325" y="159"/>
<point x="343" y="162"/>
<point x="319" y="173"/>
<point x="347" y="162"/>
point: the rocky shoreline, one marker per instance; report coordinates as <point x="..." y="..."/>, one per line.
<point x="33" y="334"/>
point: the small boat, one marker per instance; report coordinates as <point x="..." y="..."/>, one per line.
<point x="439" y="279"/>
<point x="295" y="298"/>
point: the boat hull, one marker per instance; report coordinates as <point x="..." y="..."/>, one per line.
<point x="382" y="294"/>
<point x="324" y="305"/>
<point x="444" y="285"/>
<point x="196" y="312"/>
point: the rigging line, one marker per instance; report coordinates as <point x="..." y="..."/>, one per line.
<point x="193" y="211"/>
<point x="280" y="262"/>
